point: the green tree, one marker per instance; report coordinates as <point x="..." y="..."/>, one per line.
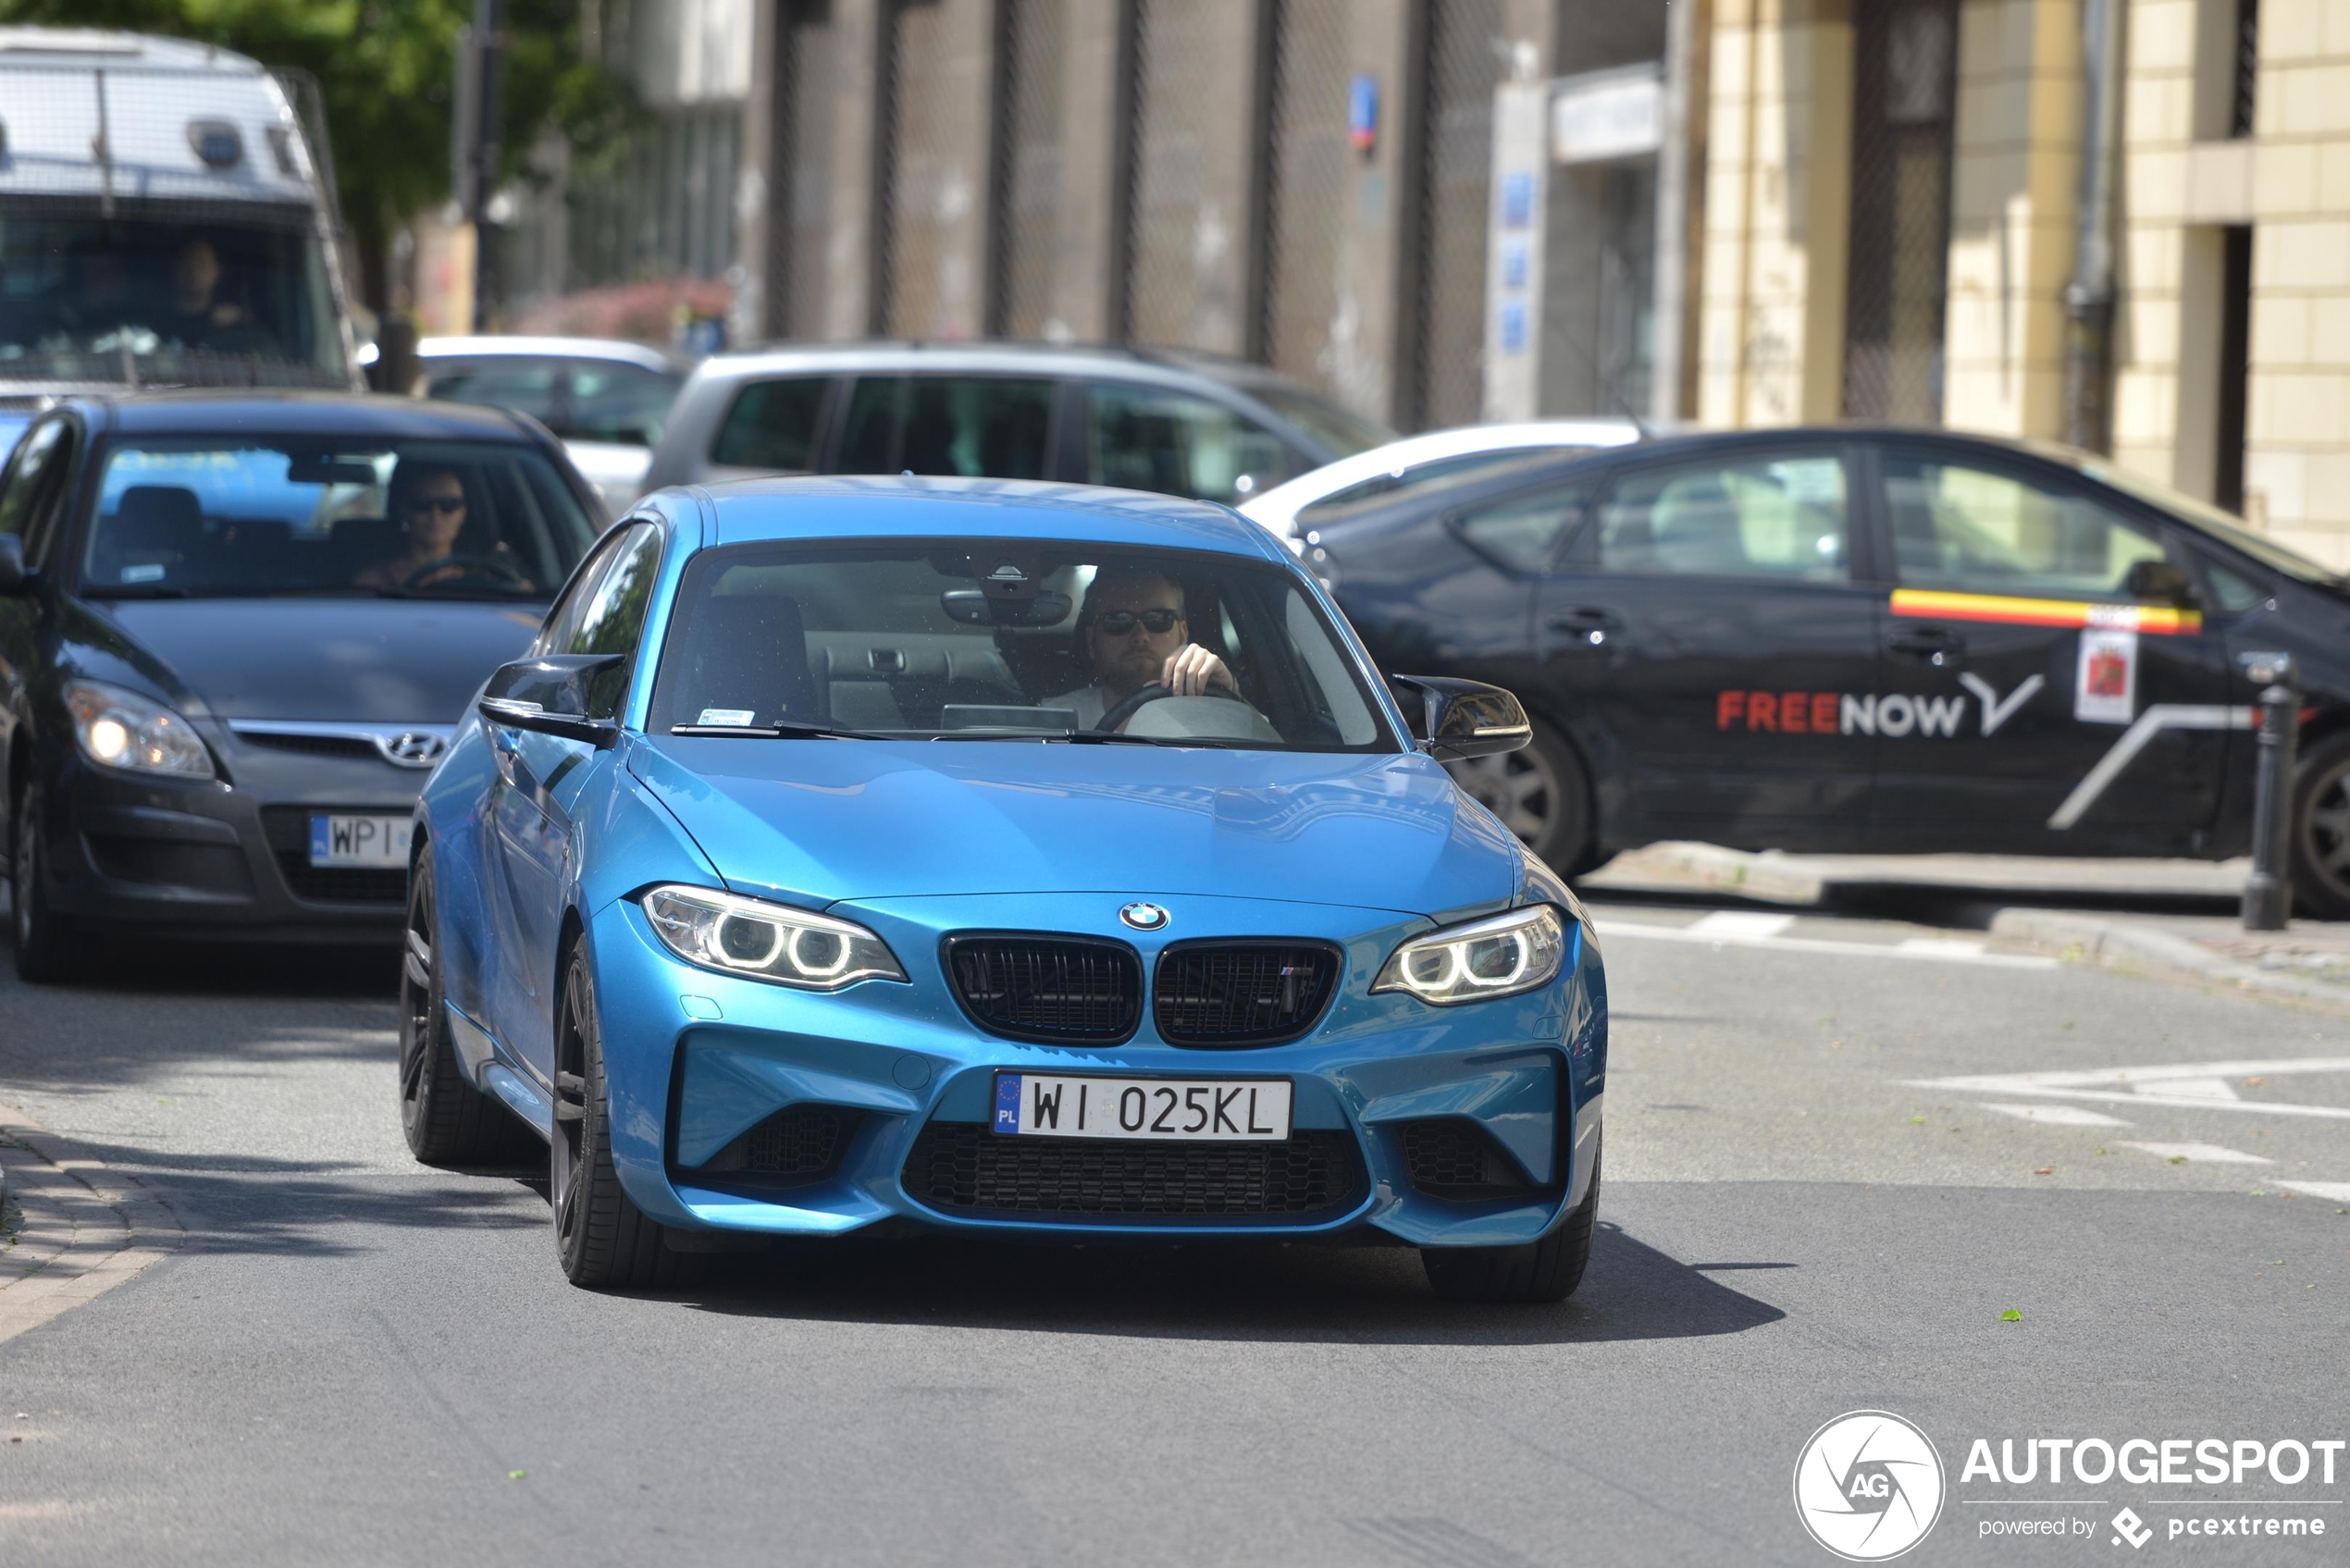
<point x="387" y="71"/>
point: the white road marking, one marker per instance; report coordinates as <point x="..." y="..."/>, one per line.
<point x="2059" y="1116"/>
<point x="1645" y="930"/>
<point x="2339" y="1191"/>
<point x="2198" y="1153"/>
<point x="2154" y="1085"/>
<point x="2157" y="716"/>
<point x="1740" y="925"/>
<point x="2202" y="1088"/>
<point x="1940" y="947"/>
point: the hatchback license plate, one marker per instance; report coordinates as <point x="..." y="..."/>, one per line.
<point x="1194" y="1109"/>
<point x="378" y="841"/>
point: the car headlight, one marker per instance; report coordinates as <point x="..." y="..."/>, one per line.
<point x="121" y="729"/>
<point x="750" y="936"/>
<point x="1498" y="956"/>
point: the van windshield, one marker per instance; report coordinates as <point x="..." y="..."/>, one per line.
<point x="167" y="301"/>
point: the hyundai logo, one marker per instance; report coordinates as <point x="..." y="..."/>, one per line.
<point x="1143" y="916"/>
<point x="412" y="748"/>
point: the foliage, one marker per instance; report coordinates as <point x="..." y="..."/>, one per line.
<point x="386" y="70"/>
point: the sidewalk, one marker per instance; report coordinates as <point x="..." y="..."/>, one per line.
<point x="2172" y="919"/>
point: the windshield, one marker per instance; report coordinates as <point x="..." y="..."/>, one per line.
<point x="2211" y="519"/>
<point x="579" y="399"/>
<point x="167" y="301"/>
<point x="1346" y="433"/>
<point x="244" y="517"/>
<point x="1002" y="640"/>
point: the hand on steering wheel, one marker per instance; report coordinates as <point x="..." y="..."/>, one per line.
<point x="1116" y="718"/>
<point x="456" y="568"/>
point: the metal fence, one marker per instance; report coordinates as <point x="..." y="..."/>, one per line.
<point x="1305" y="226"/>
<point x="1170" y="228"/>
<point x="1905" y="56"/>
<point x="1027" y="169"/>
<point x="799" y="193"/>
<point x="660" y="205"/>
<point x="1463" y="59"/>
<point x="930" y="192"/>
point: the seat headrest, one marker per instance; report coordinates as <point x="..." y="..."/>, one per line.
<point x="750" y="652"/>
<point x="160" y="512"/>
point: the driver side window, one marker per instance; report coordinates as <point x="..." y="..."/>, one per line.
<point x="612" y="613"/>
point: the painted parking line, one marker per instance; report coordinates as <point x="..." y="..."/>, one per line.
<point x="1934" y="952"/>
<point x="2198" y="1153"/>
<point x="2179" y="1085"/>
<point x="2059" y="1116"/>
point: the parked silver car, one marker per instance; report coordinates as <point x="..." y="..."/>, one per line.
<point x="603" y="398"/>
<point x="1186" y="425"/>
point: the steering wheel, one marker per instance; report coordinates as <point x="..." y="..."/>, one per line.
<point x="501" y="568"/>
<point x="1152" y="693"/>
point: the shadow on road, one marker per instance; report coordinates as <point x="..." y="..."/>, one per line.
<point x="1302" y="1294"/>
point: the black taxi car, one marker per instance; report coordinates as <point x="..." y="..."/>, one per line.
<point x="237" y="631"/>
<point x="1861" y="639"/>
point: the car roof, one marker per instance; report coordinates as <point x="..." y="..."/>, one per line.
<point x="1036" y="358"/>
<point x="913" y="507"/>
<point x="499" y="346"/>
<point x="304" y="413"/>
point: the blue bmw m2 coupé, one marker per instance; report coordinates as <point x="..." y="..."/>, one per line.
<point x="996" y="857"/>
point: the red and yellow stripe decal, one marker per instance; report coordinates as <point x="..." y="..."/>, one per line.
<point x="2157" y="620"/>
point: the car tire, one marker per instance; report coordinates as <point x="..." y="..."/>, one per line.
<point x="1541" y="794"/>
<point x="1542" y="1271"/>
<point x="445" y="1119"/>
<point x="602" y="1238"/>
<point x="48" y="948"/>
<point x="2319" y="853"/>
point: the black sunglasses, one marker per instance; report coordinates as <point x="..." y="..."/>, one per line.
<point x="448" y="506"/>
<point x="1119" y="623"/>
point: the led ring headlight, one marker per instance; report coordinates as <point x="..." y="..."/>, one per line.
<point x="764" y="941"/>
<point x="1502" y="955"/>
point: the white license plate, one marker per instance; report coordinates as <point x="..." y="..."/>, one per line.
<point x="340" y="840"/>
<point x="1201" y="1109"/>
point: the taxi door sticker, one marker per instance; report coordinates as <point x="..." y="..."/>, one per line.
<point x="2106" y="689"/>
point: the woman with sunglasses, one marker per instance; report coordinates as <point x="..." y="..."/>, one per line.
<point x="428" y="507"/>
<point x="1137" y="633"/>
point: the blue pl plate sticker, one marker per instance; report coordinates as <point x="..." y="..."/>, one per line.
<point x="1007" y="1102"/>
<point x="320" y="846"/>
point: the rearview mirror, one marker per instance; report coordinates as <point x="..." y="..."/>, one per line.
<point x="2158" y="582"/>
<point x="548" y="697"/>
<point x="1454" y="720"/>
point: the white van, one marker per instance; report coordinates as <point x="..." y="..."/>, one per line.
<point x="163" y="221"/>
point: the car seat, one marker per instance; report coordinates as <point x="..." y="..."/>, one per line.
<point x="749" y="654"/>
<point x="1697" y="528"/>
<point x="153" y="525"/>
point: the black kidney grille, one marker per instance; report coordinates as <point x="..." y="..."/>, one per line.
<point x="1050" y="989"/>
<point x="1241" y="993"/>
<point x="962" y="1165"/>
<point x="1453" y="1158"/>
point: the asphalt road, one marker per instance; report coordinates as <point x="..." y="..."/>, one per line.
<point x="353" y="1360"/>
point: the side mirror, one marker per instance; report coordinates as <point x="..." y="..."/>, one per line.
<point x="1456" y="720"/>
<point x="2158" y="582"/>
<point x="15" y="580"/>
<point x="548" y="697"/>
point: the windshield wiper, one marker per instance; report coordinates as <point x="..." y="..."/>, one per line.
<point x="133" y="590"/>
<point x="777" y="731"/>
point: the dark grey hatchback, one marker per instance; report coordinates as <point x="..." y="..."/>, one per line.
<point x="236" y="633"/>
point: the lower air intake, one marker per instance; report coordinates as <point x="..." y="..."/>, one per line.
<point x="797" y="1145"/>
<point x="1453" y="1158"/>
<point x="963" y="1167"/>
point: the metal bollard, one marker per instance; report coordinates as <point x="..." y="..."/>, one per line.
<point x="2268" y="893"/>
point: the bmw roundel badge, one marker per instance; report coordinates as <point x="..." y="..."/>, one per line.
<point x="1143" y="916"/>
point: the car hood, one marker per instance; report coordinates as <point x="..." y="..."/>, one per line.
<point x="833" y="820"/>
<point x="360" y="660"/>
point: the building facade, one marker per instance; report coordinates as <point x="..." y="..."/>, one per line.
<point x="1906" y="201"/>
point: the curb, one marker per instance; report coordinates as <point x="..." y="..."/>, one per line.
<point x="1764" y="876"/>
<point x="2118" y="945"/>
<point x="83" y="1228"/>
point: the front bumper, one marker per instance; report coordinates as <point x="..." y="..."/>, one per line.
<point x="220" y="859"/>
<point x="696" y="1061"/>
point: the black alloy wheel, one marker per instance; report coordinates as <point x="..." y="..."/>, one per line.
<point x="602" y="1238"/>
<point x="1540" y="793"/>
<point x="46" y="949"/>
<point x="446" y="1120"/>
<point x="1536" y="1272"/>
<point x="2319" y="848"/>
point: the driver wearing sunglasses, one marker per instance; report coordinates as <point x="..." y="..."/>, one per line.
<point x="1136" y="634"/>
